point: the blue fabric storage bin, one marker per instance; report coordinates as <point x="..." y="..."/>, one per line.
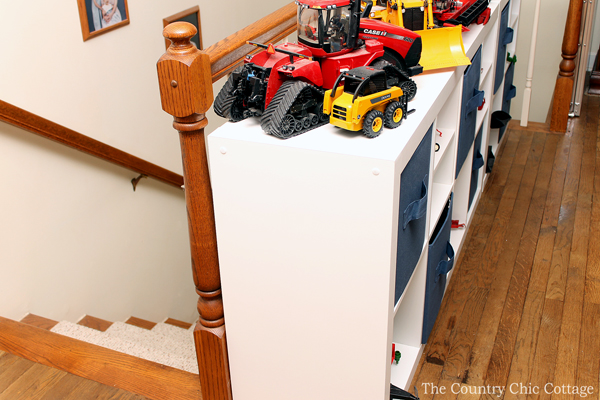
<point x="505" y="37"/>
<point x="440" y="261"/>
<point x="412" y="210"/>
<point x="477" y="164"/>
<point x="510" y="91"/>
<point x="472" y="98"/>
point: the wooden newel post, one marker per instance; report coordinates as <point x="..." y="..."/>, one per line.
<point x="563" y="91"/>
<point x="185" y="81"/>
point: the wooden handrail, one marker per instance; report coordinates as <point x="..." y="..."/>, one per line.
<point x="563" y="91"/>
<point x="20" y="118"/>
<point x="226" y="54"/>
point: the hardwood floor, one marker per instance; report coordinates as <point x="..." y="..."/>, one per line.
<point x="522" y="311"/>
<point x="21" y="379"/>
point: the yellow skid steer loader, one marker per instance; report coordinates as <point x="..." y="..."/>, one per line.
<point x="442" y="46"/>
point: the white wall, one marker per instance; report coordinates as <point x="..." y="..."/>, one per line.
<point x="553" y="15"/>
<point x="74" y="237"/>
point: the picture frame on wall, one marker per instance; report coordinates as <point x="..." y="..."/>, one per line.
<point x="100" y="16"/>
<point x="191" y="15"/>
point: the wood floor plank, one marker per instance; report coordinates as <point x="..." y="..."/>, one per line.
<point x="95" y="323"/>
<point x="93" y="390"/>
<point x="504" y="344"/>
<point x="546" y="353"/>
<point x="562" y="247"/>
<point x="568" y="346"/>
<point x="141" y="323"/>
<point x="592" y="291"/>
<point x="463" y="336"/>
<point x="544" y="362"/>
<point x="545" y="245"/>
<point x="181" y="324"/>
<point x="527" y="337"/>
<point x="427" y="380"/>
<point x="11" y="368"/>
<point x="39" y="322"/>
<point x="61" y="390"/>
<point x="546" y="189"/>
<point x="505" y="159"/>
<point x="33" y="384"/>
<point x="498" y="278"/>
<point x="588" y="363"/>
<point x="486" y="211"/>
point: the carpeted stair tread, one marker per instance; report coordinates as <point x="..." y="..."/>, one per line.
<point x="163" y="345"/>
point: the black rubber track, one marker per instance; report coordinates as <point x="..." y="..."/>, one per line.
<point x="279" y="107"/>
<point x="225" y="98"/>
<point x="471" y="14"/>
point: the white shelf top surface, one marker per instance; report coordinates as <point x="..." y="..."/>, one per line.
<point x="328" y="138"/>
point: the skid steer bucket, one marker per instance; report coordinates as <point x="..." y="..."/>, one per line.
<point x="442" y="48"/>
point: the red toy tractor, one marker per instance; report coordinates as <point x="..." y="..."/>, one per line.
<point x="463" y="12"/>
<point x="284" y="85"/>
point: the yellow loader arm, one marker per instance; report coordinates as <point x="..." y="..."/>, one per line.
<point x="442" y="47"/>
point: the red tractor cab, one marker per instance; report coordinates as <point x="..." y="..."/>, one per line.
<point x="325" y="26"/>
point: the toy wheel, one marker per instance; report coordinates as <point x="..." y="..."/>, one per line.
<point x="288" y="125"/>
<point x="298" y="125"/>
<point x="314" y="119"/>
<point x="236" y="112"/>
<point x="319" y="111"/>
<point x="373" y="123"/>
<point x="409" y="88"/>
<point x="393" y="115"/>
<point x="305" y="122"/>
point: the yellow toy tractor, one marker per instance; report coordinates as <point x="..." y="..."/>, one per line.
<point x="442" y="46"/>
<point x="366" y="101"/>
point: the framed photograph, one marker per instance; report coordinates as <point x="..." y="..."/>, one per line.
<point x="101" y="16"/>
<point x="191" y="15"/>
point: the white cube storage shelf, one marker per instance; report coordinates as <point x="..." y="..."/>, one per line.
<point x="307" y="233"/>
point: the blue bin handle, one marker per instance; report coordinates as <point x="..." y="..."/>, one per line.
<point x="475" y="101"/>
<point x="417" y="208"/>
<point x="478" y="161"/>
<point x="444" y="266"/>
<point x="508" y="36"/>
<point x="512" y="92"/>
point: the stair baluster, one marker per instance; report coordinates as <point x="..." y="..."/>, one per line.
<point x="185" y="81"/>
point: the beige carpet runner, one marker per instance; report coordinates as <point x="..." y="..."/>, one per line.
<point x="164" y="344"/>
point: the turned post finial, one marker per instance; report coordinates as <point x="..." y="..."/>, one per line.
<point x="184" y="73"/>
<point x="180" y="34"/>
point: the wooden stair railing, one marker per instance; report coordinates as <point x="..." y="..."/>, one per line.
<point x="563" y="91"/>
<point x="33" y="123"/>
<point x="185" y="77"/>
